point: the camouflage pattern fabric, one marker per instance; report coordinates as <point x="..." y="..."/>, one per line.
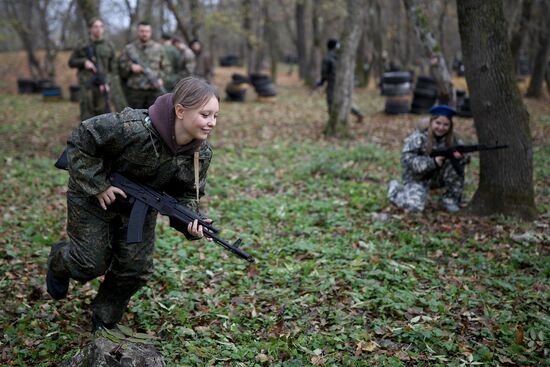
<point x="92" y="102"/>
<point x="150" y="53"/>
<point x="421" y="173"/>
<point x="125" y="142"/>
<point x="173" y="57"/>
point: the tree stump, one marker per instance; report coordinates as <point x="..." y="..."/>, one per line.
<point x="112" y="348"/>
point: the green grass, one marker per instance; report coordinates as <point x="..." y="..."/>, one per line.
<point x="333" y="285"/>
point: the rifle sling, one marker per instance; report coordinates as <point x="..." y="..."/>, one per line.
<point x="196" y="169"/>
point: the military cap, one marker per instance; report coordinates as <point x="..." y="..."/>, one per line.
<point x="442" y="110"/>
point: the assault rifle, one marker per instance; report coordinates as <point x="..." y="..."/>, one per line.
<point x="98" y="79"/>
<point x="449" y="153"/>
<point x="151" y="76"/>
<point x="144" y="197"/>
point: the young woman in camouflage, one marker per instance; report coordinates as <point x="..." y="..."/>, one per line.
<point x="159" y="147"/>
<point x="422" y="172"/>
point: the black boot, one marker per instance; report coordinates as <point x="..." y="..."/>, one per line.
<point x="97" y="324"/>
<point x="57" y="286"/>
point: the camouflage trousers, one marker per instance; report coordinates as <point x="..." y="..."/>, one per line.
<point x="413" y="194"/>
<point x="97" y="246"/>
<point x="92" y="102"/>
<point x="141" y="98"/>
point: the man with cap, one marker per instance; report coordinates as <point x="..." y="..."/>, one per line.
<point x="422" y="172"/>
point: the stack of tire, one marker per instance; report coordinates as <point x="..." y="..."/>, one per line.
<point x="424" y="94"/>
<point x="396" y="86"/>
<point x="26" y="86"/>
<point x="229" y="60"/>
<point x="263" y="85"/>
<point x="236" y="88"/>
<point x="463" y="103"/>
<point x="50" y="91"/>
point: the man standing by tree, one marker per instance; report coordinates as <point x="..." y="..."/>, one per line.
<point x="173" y="57"/>
<point x="144" y="65"/>
<point x="328" y="75"/>
<point x="95" y="61"/>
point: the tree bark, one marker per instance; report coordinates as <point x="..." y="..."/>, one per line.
<point x="301" y="46"/>
<point x="314" y="62"/>
<point x="516" y="38"/>
<point x="541" y="59"/>
<point x="179" y="20"/>
<point x="432" y="51"/>
<point x="20" y="15"/>
<point x="345" y="66"/>
<point x="506" y="176"/>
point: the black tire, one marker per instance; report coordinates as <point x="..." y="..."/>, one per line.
<point x="396" y="106"/>
<point x="235" y="95"/>
<point x="239" y="78"/>
<point x="256" y="79"/>
<point x="420" y="110"/>
<point x="396" y="77"/>
<point x="267" y="90"/>
<point x="423" y="102"/>
<point x="402" y="89"/>
<point x="425" y="93"/>
<point x="26" y="86"/>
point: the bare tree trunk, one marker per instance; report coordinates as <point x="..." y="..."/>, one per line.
<point x="196" y="18"/>
<point x="179" y="20"/>
<point x="301" y="47"/>
<point x="506" y="176"/>
<point x="20" y="15"/>
<point x="376" y="32"/>
<point x="133" y="14"/>
<point x="49" y="46"/>
<point x="314" y="64"/>
<point x="432" y="51"/>
<point x="541" y="58"/>
<point x="547" y="76"/>
<point x="516" y="38"/>
<point x="360" y="61"/>
<point x="345" y="66"/>
<point x="441" y="28"/>
<point x="89" y="9"/>
<point x="271" y="40"/>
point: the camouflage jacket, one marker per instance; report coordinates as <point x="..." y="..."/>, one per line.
<point x="173" y="58"/>
<point x="103" y="56"/>
<point x="150" y="54"/>
<point x="417" y="164"/>
<point x="127" y="142"/>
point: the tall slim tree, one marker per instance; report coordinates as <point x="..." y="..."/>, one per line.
<point x="343" y="84"/>
<point x="432" y="50"/>
<point x="541" y="57"/>
<point x="506" y="176"/>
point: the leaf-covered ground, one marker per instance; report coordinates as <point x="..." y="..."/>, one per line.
<point x="342" y="278"/>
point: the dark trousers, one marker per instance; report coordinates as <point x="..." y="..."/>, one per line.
<point x="97" y="246"/>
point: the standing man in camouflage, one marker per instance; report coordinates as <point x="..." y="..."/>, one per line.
<point x="328" y="75"/>
<point x="173" y="57"/>
<point x="95" y="61"/>
<point x="144" y="65"/>
<point x="186" y="63"/>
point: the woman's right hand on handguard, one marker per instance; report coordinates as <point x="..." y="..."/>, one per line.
<point x="108" y="196"/>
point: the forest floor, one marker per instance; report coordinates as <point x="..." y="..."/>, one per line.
<point x="342" y="278"/>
